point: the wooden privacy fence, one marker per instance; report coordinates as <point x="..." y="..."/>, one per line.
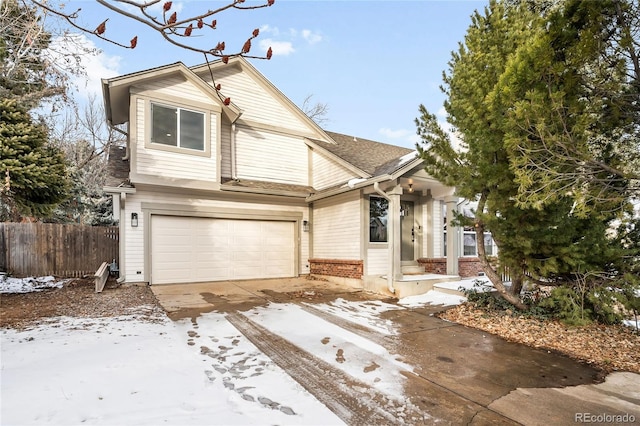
<point x="37" y="249"/>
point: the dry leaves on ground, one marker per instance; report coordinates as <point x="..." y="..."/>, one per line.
<point x="77" y="298"/>
<point x="611" y="348"/>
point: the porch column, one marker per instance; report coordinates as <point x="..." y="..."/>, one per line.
<point x="395" y="238"/>
<point x="452" y="236"/>
<point x="430" y="226"/>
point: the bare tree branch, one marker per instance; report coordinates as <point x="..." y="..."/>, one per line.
<point x="317" y="111"/>
<point x="173" y="30"/>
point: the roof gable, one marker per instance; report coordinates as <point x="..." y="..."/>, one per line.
<point x="116" y="90"/>
<point x="252" y="91"/>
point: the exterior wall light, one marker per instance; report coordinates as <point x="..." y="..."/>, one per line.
<point x="305" y="225"/>
<point x="134" y="220"/>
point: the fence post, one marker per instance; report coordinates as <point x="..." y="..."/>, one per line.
<point x="3" y="249"/>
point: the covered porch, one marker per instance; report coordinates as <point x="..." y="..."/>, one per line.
<point x="406" y="217"/>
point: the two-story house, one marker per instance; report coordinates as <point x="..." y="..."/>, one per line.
<point x="238" y="183"/>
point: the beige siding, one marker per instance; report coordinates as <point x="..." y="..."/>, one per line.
<point x="437" y="223"/>
<point x="133" y="242"/>
<point x="175" y="87"/>
<point x="166" y="164"/>
<point x="327" y="173"/>
<point x="256" y="102"/>
<point x="337" y="227"/>
<point x="262" y="155"/>
<point x="423" y="234"/>
<point x="134" y="237"/>
<point x="377" y="260"/>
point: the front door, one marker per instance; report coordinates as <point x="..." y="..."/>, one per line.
<point x="407" y="230"/>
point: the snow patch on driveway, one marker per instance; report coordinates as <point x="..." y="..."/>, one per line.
<point x="365" y="313"/>
<point x="359" y="357"/>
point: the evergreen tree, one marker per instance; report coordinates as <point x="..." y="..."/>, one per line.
<point x="570" y="96"/>
<point x="540" y="243"/>
<point x="36" y="178"/>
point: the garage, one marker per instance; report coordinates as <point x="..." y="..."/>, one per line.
<point x="194" y="249"/>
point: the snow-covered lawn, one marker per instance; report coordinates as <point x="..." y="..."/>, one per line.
<point x="124" y="370"/>
<point x="130" y="370"/>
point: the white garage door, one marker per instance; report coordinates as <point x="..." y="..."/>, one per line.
<point x="189" y="249"/>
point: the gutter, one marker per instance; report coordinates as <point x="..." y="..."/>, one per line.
<point x="376" y="187"/>
<point x="119" y="189"/>
<point x="278" y="192"/>
<point x="347" y="188"/>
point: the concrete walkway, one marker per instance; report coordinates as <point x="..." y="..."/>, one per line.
<point x="461" y="375"/>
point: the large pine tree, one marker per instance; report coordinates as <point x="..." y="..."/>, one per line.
<point x="545" y="242"/>
<point x="34" y="173"/>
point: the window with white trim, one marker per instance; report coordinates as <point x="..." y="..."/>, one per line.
<point x="378" y="218"/>
<point x="177" y="127"/>
<point x="470" y="248"/>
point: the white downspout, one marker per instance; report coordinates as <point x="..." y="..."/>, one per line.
<point x="376" y="187"/>
<point x="234" y="174"/>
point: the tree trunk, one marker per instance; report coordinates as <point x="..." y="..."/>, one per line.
<point x="491" y="273"/>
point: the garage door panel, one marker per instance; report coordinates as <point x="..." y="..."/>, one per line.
<point x="189" y="249"/>
<point x="278" y="256"/>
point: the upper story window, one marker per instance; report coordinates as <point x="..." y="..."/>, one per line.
<point x="177" y="127"/>
<point x="378" y="217"/>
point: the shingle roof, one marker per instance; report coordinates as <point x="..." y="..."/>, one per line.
<point x="367" y="155"/>
<point x="268" y="186"/>
<point x="117" y="168"/>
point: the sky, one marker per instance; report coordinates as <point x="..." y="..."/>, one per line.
<point x="371" y="62"/>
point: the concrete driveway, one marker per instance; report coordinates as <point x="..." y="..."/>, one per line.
<point x="460" y="375"/>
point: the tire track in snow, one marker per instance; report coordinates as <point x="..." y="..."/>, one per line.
<point x="356" y="403"/>
<point x="360" y="330"/>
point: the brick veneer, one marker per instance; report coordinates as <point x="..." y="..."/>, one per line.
<point x="434" y="266"/>
<point x="467" y="266"/>
<point x="337" y="267"/>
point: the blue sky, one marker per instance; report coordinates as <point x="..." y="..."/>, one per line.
<point x="371" y="62"/>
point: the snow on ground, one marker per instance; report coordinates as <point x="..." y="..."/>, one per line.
<point x="126" y="371"/>
<point x="631" y="323"/>
<point x="366" y="313"/>
<point x="29" y="284"/>
<point x="432" y="297"/>
<point x="341" y="348"/>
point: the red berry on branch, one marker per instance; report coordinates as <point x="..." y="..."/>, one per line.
<point x="134" y="42"/>
<point x="247" y="46"/>
<point x="256" y="32"/>
<point x="187" y="31"/>
<point x="200" y="23"/>
<point x="269" y="53"/>
<point x="227" y="101"/>
<point x="101" y="28"/>
<point x="167" y="6"/>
